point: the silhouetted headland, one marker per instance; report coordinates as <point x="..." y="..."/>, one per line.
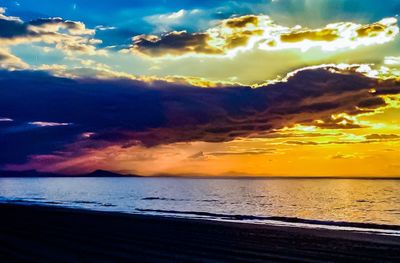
<point x="33" y="173"/>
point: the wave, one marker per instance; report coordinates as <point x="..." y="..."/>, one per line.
<point x="151" y="198"/>
<point x="276" y="218"/>
<point x="43" y="201"/>
<point x="90" y="203"/>
<point x="163" y="199"/>
<point x="217" y="216"/>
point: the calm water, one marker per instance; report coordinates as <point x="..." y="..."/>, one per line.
<point x="366" y="201"/>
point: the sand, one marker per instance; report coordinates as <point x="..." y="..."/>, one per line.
<point x="50" y="234"/>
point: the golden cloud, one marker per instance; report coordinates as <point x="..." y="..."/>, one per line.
<point x="90" y="68"/>
<point x="371" y="30"/>
<point x="260" y="32"/>
<point x="313" y="35"/>
<point x="240" y="22"/>
<point x="174" y="43"/>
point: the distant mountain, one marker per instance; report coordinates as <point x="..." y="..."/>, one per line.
<point x="103" y="173"/>
<point x="33" y="173"/>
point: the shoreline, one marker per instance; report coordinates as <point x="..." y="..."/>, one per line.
<point x="279" y="221"/>
<point x="35" y="233"/>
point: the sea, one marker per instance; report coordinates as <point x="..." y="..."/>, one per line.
<point x="348" y="204"/>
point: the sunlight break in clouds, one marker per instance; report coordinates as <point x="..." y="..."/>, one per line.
<point x="330" y="107"/>
<point x="205" y="87"/>
<point x="260" y="32"/>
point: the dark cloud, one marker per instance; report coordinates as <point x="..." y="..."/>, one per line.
<point x="302" y="143"/>
<point x="371" y="103"/>
<point x="70" y="25"/>
<point x="127" y="112"/>
<point x="18" y="140"/>
<point x="12" y="28"/>
<point x="174" y="43"/>
<point x="338" y="123"/>
<point x="16" y="29"/>
<point x="382" y="137"/>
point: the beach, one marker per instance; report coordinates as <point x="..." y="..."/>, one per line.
<point x="53" y="234"/>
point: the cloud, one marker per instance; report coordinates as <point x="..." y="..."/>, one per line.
<point x="168" y="21"/>
<point x="174" y="43"/>
<point x="56" y="24"/>
<point x="128" y="112"/>
<point x="302" y="143"/>
<point x="8" y="18"/>
<point x="259" y="32"/>
<point x="311" y="35"/>
<point x="102" y="71"/>
<point x="340" y="122"/>
<point x="393" y="61"/>
<point x="48" y="124"/>
<point x="380" y="137"/>
<point x="105" y="28"/>
<point x="343" y="157"/>
<point x="9" y="61"/>
<point x="204" y="155"/>
<point x="67" y="36"/>
<point x="250" y="151"/>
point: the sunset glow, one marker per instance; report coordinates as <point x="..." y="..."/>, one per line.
<point x="265" y="88"/>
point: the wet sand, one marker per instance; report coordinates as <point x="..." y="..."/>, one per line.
<point x="49" y="234"/>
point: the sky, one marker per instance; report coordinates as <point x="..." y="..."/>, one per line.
<point x="257" y="88"/>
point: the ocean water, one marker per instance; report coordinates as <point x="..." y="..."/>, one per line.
<point x="281" y="201"/>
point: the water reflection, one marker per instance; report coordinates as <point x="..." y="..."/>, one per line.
<point x="372" y="201"/>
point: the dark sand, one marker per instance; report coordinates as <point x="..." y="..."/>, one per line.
<point x="44" y="234"/>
